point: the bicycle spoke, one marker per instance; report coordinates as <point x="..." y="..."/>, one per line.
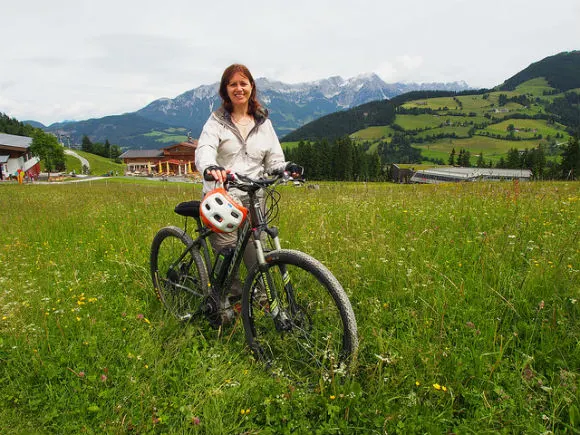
<point x="180" y="286"/>
<point x="307" y="336"/>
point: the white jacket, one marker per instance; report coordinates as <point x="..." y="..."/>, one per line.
<point x="222" y="144"/>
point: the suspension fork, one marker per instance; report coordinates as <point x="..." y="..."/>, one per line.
<point x="279" y="312"/>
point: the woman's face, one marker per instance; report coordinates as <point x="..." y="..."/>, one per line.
<point x="239" y="89"/>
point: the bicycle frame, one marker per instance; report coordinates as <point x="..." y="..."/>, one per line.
<point x="255" y="225"/>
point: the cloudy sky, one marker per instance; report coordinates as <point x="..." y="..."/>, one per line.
<point x="79" y="59"/>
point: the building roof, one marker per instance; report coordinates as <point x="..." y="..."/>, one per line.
<point x="133" y="154"/>
<point x="192" y="145"/>
<point x="12" y="140"/>
<point x="469" y="174"/>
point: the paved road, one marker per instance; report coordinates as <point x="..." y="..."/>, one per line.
<point x="84" y="162"/>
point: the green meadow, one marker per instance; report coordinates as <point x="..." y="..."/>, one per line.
<point x="493" y="149"/>
<point x="169" y="136"/>
<point x="98" y="165"/>
<point x="452" y="120"/>
<point x="466" y="296"/>
<point x="528" y="129"/>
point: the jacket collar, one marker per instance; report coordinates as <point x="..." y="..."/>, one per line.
<point x="225" y="117"/>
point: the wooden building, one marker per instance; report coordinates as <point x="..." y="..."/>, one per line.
<point x="178" y="159"/>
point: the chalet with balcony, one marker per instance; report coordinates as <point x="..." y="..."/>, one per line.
<point x="15" y="156"/>
<point x="178" y="159"/>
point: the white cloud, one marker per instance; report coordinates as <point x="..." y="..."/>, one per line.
<point x="400" y="69"/>
<point x="78" y="59"/>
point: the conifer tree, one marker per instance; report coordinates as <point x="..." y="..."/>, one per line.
<point x="571" y="159"/>
<point x="451" y="161"/>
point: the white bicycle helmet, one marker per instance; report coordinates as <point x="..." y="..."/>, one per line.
<point x="220" y="212"/>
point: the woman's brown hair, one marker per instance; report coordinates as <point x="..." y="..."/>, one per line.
<point x="253" y="104"/>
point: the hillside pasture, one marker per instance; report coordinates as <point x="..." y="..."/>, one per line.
<point x="169" y="136"/>
<point x="458" y="130"/>
<point x="466" y="298"/>
<point x="438" y="103"/>
<point x="536" y="87"/>
<point x="414" y="122"/>
<point x="373" y="133"/>
<point x="492" y="149"/>
<point x="98" y="165"/>
<point x="528" y="128"/>
<point x="72" y="164"/>
<point x="289" y="145"/>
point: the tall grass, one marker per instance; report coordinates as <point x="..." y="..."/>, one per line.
<point x="466" y="297"/>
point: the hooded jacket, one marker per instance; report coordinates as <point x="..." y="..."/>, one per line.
<point x="222" y="144"/>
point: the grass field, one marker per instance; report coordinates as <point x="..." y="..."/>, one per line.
<point x="492" y="149"/>
<point x="535" y="87"/>
<point x="529" y="128"/>
<point x="170" y="136"/>
<point x="412" y="122"/>
<point x="466" y="297"/>
<point x="98" y="165"/>
<point x="373" y="133"/>
<point x="289" y="145"/>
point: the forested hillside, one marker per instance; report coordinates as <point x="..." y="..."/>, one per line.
<point x="529" y="126"/>
<point x="560" y="71"/>
<point x="10" y="125"/>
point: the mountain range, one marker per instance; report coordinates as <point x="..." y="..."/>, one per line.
<point x="555" y="95"/>
<point x="167" y="120"/>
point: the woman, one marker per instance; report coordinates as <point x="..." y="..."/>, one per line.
<point x="238" y="137"/>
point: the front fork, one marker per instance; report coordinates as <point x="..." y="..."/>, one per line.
<point x="279" y="313"/>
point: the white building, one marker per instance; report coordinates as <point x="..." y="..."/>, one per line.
<point x="15" y="155"/>
<point x="453" y="174"/>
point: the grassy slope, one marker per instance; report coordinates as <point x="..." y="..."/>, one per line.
<point x="99" y="165"/>
<point x="169" y="136"/>
<point x="473" y="108"/>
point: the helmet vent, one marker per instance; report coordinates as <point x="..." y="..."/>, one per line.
<point x="220" y="212"/>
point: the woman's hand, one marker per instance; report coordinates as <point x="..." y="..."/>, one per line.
<point x="216" y="173"/>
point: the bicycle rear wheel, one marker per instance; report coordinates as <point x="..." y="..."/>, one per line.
<point x="316" y="331"/>
<point x="180" y="285"/>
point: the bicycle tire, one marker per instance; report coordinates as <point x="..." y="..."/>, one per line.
<point x="322" y="332"/>
<point x="182" y="289"/>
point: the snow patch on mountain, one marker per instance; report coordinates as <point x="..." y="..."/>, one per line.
<point x="290" y="105"/>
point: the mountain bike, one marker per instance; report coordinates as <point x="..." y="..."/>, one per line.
<point x="295" y="313"/>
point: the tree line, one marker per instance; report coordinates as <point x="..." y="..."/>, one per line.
<point x="533" y="159"/>
<point x="343" y="159"/>
<point x="340" y="159"/>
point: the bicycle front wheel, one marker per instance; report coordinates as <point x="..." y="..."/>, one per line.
<point x="181" y="284"/>
<point x="313" y="329"/>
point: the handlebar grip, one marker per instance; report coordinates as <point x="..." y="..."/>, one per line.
<point x="229" y="177"/>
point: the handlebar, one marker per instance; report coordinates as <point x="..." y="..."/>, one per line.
<point x="246" y="183"/>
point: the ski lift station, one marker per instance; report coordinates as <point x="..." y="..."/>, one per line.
<point x="455" y="174"/>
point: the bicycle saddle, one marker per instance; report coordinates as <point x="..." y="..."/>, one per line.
<point x="188" y="208"/>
